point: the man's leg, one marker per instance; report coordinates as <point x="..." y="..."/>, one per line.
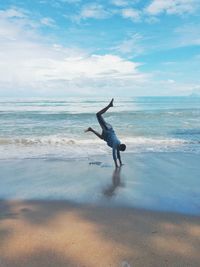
<point x="93" y="131"/>
<point x="106" y="108"/>
<point x="100" y="119"/>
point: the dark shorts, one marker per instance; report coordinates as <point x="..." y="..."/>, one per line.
<point x="104" y="125"/>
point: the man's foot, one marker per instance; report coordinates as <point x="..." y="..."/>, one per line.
<point x="88" y="130"/>
<point x="111" y="102"/>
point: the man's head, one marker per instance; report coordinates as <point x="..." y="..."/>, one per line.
<point x="122" y="147"/>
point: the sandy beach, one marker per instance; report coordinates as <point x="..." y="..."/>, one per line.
<point x="59" y="233"/>
<point x="85" y="214"/>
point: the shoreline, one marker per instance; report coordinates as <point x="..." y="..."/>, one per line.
<point x="154" y="181"/>
<point x="60" y="233"/>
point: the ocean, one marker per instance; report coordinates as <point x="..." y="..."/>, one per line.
<point x="54" y="128"/>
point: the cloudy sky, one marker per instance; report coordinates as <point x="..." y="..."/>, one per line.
<point x="112" y="48"/>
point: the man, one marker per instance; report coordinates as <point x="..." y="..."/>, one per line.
<point x="108" y="135"/>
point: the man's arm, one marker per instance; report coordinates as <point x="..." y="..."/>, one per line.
<point x="114" y="156"/>
<point x="119" y="157"/>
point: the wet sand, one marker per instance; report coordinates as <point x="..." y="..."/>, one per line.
<point x="155" y="181"/>
<point x="59" y="233"/>
<point x="58" y="213"/>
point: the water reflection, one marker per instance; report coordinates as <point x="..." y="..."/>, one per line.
<point x="110" y="191"/>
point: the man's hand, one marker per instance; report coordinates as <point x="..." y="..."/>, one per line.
<point x="116" y="165"/>
<point x="121" y="164"/>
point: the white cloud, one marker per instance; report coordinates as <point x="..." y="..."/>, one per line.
<point x="131" y="13"/>
<point x="98" y="11"/>
<point x="123" y="3"/>
<point x="151" y="19"/>
<point x="48" y="22"/>
<point x="170" y="81"/>
<point x="28" y="65"/>
<point x="59" y="3"/>
<point x="173" y="7"/>
<point x="92" y="11"/>
<point x="188" y="34"/>
<point x="131" y="46"/>
<point x="185" y="88"/>
<point x="120" y="3"/>
<point x="12" y="25"/>
<point x="12" y="13"/>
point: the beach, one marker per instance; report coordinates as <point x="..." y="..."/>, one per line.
<point x="63" y="203"/>
<point x="59" y="233"/>
<point x="101" y="217"/>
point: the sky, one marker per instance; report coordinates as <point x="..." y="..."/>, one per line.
<point x="99" y="48"/>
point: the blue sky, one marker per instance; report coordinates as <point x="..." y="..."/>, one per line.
<point x="111" y="48"/>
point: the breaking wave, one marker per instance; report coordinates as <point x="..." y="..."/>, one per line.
<point x="63" y="147"/>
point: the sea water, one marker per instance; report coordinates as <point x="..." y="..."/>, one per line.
<point x="54" y="128"/>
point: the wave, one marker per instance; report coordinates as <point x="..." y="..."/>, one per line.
<point x="58" y="140"/>
<point x="36" y="141"/>
<point x="188" y="132"/>
<point x="66" y="148"/>
<point x="126" y="113"/>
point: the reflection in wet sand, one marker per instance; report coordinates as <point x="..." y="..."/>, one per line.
<point x="116" y="182"/>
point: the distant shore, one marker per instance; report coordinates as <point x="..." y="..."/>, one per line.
<point x="59" y="233"/>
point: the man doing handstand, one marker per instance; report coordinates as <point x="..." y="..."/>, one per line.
<point x="108" y="135"/>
